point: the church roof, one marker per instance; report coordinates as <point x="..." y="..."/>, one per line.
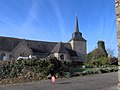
<point x="59" y="48"/>
<point x="9" y="44"/>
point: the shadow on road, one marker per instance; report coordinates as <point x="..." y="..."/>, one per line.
<point x="65" y="82"/>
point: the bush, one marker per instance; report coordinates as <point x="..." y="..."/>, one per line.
<point x="66" y="74"/>
<point x="21" y="67"/>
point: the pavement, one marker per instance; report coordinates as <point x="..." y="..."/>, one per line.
<point x="107" y="81"/>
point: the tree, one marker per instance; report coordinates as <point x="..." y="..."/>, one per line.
<point x="110" y="52"/>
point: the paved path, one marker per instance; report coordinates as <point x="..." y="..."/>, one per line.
<point x="106" y="81"/>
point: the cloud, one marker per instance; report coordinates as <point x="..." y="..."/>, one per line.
<point x="57" y="11"/>
<point x="7" y="20"/>
<point x="32" y="14"/>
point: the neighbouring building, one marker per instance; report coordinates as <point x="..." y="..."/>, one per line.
<point x="73" y="50"/>
<point x="100" y="51"/>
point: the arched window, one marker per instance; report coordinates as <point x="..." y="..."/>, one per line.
<point x="3" y="57"/>
<point x="62" y="57"/>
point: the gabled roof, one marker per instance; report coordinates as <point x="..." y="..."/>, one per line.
<point x="59" y="48"/>
<point x="10" y="43"/>
<point x="22" y="42"/>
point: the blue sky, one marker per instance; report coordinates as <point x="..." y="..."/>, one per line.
<point x="54" y="20"/>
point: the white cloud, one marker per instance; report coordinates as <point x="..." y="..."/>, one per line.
<point x="7" y="20"/>
<point x="27" y="25"/>
<point x="57" y="11"/>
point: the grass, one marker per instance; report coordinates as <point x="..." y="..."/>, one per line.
<point x="79" y="69"/>
<point x="98" y="70"/>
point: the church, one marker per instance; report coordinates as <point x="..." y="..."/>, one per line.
<point x="73" y="50"/>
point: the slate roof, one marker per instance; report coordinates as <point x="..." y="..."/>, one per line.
<point x="37" y="47"/>
<point x="59" y="48"/>
<point x="9" y="44"/>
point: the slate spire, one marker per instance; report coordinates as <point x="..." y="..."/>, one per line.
<point x="77" y="35"/>
<point x="76" y="25"/>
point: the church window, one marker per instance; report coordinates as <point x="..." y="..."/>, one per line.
<point x="3" y="57"/>
<point x="62" y="57"/>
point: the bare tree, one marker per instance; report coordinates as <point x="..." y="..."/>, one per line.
<point x="110" y="52"/>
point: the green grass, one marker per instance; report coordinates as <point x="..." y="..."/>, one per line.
<point x="78" y="69"/>
<point x="98" y="70"/>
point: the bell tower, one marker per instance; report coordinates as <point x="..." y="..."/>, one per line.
<point x="78" y="43"/>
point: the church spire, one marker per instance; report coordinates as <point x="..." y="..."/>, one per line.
<point x="76" y="34"/>
<point x="76" y="25"/>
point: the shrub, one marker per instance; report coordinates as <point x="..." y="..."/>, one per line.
<point x="21" y="67"/>
<point x="66" y="74"/>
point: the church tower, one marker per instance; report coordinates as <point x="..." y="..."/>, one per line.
<point x="78" y="43"/>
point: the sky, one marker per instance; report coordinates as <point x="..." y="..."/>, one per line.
<point x="54" y="20"/>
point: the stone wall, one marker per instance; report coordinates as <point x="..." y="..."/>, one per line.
<point x="80" y="48"/>
<point x="118" y="33"/>
<point x="65" y="56"/>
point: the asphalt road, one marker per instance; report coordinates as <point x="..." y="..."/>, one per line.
<point x="106" y="81"/>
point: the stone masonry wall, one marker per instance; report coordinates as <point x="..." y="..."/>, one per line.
<point x="117" y="2"/>
<point x="80" y="48"/>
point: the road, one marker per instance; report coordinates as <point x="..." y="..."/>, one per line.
<point x="107" y="81"/>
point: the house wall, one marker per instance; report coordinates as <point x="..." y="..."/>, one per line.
<point x="6" y="55"/>
<point x="72" y="44"/>
<point x="66" y="56"/>
<point x="118" y="34"/>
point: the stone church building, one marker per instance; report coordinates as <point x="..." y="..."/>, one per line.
<point x="73" y="50"/>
